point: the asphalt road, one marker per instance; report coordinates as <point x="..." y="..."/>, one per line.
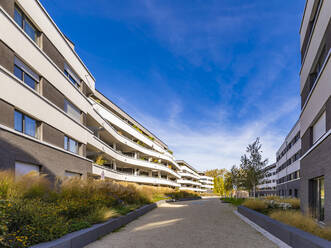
<point x="201" y="223"/>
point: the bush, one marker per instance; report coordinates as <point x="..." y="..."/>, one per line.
<point x="297" y="219"/>
<point x="234" y="201"/>
<point x="255" y="204"/>
<point x="183" y="194"/>
<point x="34" y="211"/>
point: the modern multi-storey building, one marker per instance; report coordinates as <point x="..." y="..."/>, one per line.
<point x="54" y="121"/>
<point x="190" y="178"/>
<point x="207" y="183"/>
<point x="267" y="187"/>
<point x="288" y="164"/>
<point x="315" y="118"/>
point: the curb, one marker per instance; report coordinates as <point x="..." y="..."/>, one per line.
<point x="88" y="235"/>
<point x="292" y="236"/>
<point x="184" y="199"/>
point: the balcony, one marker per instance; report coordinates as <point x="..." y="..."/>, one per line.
<point x="193" y="189"/>
<point x="113" y="174"/>
<point x="189" y="182"/>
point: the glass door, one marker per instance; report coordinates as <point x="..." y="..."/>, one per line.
<point x="317" y="198"/>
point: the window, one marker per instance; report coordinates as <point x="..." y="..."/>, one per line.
<point x="24" y="73"/>
<point x="70" y="145"/>
<point x="24" y="168"/>
<point x="22" y="20"/>
<point x="25" y="124"/>
<point x="71" y="110"/>
<point x="71" y="174"/>
<point x="71" y="75"/>
<point x="319" y="128"/>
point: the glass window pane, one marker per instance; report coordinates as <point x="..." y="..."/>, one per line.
<point x="18" y="72"/>
<point x="72" y="146"/>
<point x="65" y="142"/>
<point x="29" y="30"/>
<point x="30" y="126"/>
<point x="73" y="80"/>
<point x="72" y="110"/>
<point x="18" y="17"/>
<point x="18" y="121"/>
<point x="29" y="81"/>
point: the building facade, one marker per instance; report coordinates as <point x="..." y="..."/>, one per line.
<point x="52" y="118"/>
<point x="193" y="180"/>
<point x="288" y="164"/>
<point x="267" y="187"/>
<point x="315" y="118"/>
<point x="207" y="183"/>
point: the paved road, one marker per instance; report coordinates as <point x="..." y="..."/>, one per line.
<point x="203" y="223"/>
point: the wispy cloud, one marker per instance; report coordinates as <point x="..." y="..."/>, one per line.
<point x="216" y="145"/>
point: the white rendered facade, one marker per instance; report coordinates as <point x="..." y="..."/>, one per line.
<point x="288" y="164"/>
<point x="193" y="180"/>
<point x="267" y="187"/>
<point x="74" y="129"/>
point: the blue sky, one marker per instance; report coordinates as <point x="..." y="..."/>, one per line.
<point x="207" y="77"/>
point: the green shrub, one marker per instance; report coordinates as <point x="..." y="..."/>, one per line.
<point x="234" y="201"/>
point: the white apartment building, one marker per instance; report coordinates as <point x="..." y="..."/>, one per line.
<point x="288" y="164"/>
<point x="267" y="186"/>
<point x="207" y="183"/>
<point x="52" y="118"/>
<point x="192" y="180"/>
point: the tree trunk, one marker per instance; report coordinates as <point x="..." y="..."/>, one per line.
<point x="254" y="190"/>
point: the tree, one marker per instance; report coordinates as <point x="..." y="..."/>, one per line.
<point x="252" y="166"/>
<point x="228" y="183"/>
<point x="219" y="185"/>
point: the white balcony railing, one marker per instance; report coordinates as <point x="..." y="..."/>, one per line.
<point x="184" y="181"/>
<point x="109" y="173"/>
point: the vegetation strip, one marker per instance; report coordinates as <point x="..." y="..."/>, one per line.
<point x="288" y="234"/>
<point x="84" y="237"/>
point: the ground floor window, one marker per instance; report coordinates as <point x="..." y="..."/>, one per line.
<point x="317" y="197"/>
<point x="22" y="169"/>
<point x="72" y="174"/>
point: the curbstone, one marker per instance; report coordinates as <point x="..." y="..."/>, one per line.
<point x="292" y="236"/>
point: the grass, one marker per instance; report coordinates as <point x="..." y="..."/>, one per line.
<point x="255" y="204"/>
<point x="234" y="201"/>
<point x="305" y="223"/>
<point x="32" y="210"/>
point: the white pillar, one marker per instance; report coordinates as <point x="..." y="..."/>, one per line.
<point x="114" y="146"/>
<point x="159" y="174"/>
<point x="150" y="173"/>
<point x="136" y="155"/>
<point x="150" y="159"/>
<point x="114" y="165"/>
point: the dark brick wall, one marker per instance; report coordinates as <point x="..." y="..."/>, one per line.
<point x="317" y="163"/>
<point x="52" y="52"/>
<point x="52" y="135"/>
<point x="287" y="186"/>
<point x="306" y="140"/>
<point x="6" y="114"/>
<point x="53" y="162"/>
<point x="52" y="94"/>
<point x="6" y="57"/>
<point x="328" y="114"/>
<point x="8" y="6"/>
<point x="305" y="92"/>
